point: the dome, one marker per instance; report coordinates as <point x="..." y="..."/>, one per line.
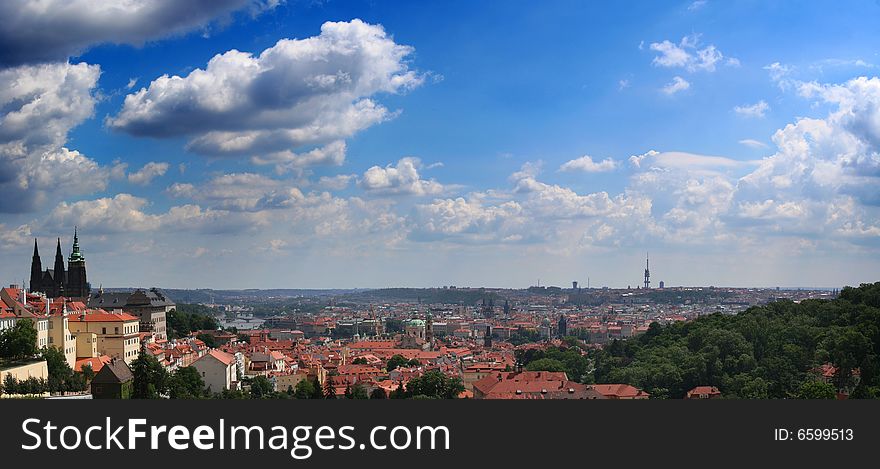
<point x="545" y="322"/>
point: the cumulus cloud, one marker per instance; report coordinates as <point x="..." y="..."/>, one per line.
<point x="39" y="105"/>
<point x="125" y="213"/>
<point x="677" y="84"/>
<point x="688" y="55"/>
<point x="15" y="237"/>
<point x="240" y="192"/>
<point x="335" y="183"/>
<point x="332" y="154"/>
<point x="400" y="179"/>
<point x="468" y="220"/>
<point x="587" y="165"/>
<point x="149" y="172"/>
<point x="758" y="109"/>
<point x="53" y="30"/>
<point x="298" y="92"/>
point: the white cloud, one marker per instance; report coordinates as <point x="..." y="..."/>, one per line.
<point x="402" y="178"/>
<point x="467" y="220"/>
<point x="30" y="30"/>
<point x="39" y="105"/>
<point x="337" y="182"/>
<point x="758" y="109"/>
<point x="676" y="85"/>
<point x="298" y="92"/>
<point x="587" y="165"/>
<point x="688" y="55"/>
<point x="753" y="143"/>
<point x="240" y="192"/>
<point x="150" y="171"/>
<point x="125" y="213"/>
<point x="697" y="5"/>
<point x="15" y="237"/>
<point x="332" y="154"/>
<point x="693" y="162"/>
<point x="779" y="74"/>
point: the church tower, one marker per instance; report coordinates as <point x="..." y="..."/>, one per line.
<point x="36" y="270"/>
<point x="77" y="283"/>
<point x="58" y="273"/>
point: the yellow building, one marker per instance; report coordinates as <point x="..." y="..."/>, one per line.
<point x="116" y="333"/>
<point x="60" y="336"/>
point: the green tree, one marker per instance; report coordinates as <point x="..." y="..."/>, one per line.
<point x="19" y="341"/>
<point x="60" y="373"/>
<point x="329" y="391"/>
<point x="378" y="393"/>
<point x="261" y="387"/>
<point x="360" y="361"/>
<point x="317" y="390"/>
<point x="546" y="364"/>
<point x="395" y="362"/>
<point x="10" y="384"/>
<point x="150" y="378"/>
<point x="816" y="390"/>
<point x="305" y="389"/>
<point x="435" y="385"/>
<point x="186" y="383"/>
<point x="358" y="391"/>
<point x="87" y="372"/>
<point x="208" y="339"/>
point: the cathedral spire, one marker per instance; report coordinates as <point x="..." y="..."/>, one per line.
<point x="59" y="273"/>
<point x="75" y="254"/>
<point x="36" y="270"/>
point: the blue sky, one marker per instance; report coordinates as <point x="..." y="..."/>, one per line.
<point x="245" y="143"/>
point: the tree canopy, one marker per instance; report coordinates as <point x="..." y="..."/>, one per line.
<point x="769" y="351"/>
<point x="19" y="341"/>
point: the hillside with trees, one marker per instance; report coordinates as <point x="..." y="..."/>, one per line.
<point x="769" y="351"/>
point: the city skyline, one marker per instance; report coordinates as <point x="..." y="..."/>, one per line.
<point x="264" y="144"/>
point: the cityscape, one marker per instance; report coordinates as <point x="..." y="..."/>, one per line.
<point x="443" y="199"/>
<point x="542" y="342"/>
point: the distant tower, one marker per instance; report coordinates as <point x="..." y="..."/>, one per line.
<point x="429" y="329"/>
<point x="574" y="285"/>
<point x="77" y="283"/>
<point x="487" y="337"/>
<point x="562" y="327"/>
<point x="662" y="284"/>
<point x="58" y="273"/>
<point x="647" y="272"/>
<point x="36" y="270"/>
<point x="506" y="308"/>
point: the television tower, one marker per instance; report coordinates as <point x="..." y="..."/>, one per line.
<point x="647" y="273"/>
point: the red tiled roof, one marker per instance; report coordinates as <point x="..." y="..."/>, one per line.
<point x="703" y="390"/>
<point x="96" y="362"/>
<point x="223" y="357"/>
<point x="102" y="316"/>
<point x="619" y="390"/>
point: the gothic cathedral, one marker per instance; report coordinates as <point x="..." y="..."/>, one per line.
<point x="56" y="282"/>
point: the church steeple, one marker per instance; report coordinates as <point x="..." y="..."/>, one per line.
<point x="76" y="284"/>
<point x="59" y="269"/>
<point x="75" y="254"/>
<point x="36" y="269"/>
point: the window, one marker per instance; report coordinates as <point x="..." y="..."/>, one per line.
<point x="116" y="330"/>
<point x="103" y="330"/>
